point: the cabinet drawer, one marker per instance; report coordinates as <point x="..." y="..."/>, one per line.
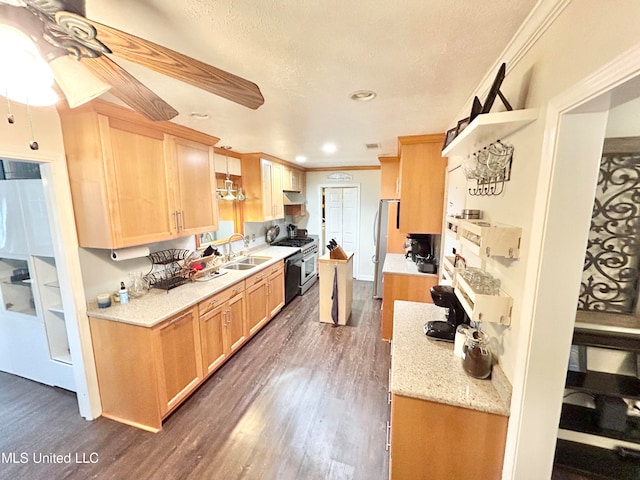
<point x="258" y="277"/>
<point x="219" y="298"/>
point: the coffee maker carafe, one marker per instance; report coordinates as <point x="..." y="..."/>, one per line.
<point x="444" y="296"/>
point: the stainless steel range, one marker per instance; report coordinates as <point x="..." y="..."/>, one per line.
<point x="302" y="269"/>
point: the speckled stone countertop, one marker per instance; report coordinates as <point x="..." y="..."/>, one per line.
<point x="158" y="305"/>
<point x="398" y="264"/>
<point x="428" y="369"/>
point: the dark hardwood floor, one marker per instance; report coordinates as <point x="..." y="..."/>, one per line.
<point x="301" y="400"/>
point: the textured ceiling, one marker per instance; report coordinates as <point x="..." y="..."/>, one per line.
<point x="423" y="59"/>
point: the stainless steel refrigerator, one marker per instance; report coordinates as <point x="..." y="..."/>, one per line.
<point x="380" y="224"/>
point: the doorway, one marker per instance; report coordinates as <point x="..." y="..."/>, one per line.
<point x="341" y="217"/>
<point x="574" y="135"/>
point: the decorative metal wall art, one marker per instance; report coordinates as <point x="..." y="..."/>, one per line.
<point x="612" y="260"/>
<point x="490" y="168"/>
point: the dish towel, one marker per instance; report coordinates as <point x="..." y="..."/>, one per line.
<point x="334" y="297"/>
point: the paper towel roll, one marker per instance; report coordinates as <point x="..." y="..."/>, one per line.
<point x="129" y="253"/>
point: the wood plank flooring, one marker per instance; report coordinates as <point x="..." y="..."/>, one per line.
<point x="302" y="400"/>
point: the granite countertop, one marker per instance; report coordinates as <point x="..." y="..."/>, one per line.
<point x="158" y="305"/>
<point x="396" y="263"/>
<point x="427" y="369"/>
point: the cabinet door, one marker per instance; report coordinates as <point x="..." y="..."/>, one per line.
<point x="13" y="239"/>
<point x="266" y="169"/>
<point x="136" y="183"/>
<point x="257" y="306"/>
<point x="36" y="217"/>
<point x="276" y="292"/>
<point x="179" y="358"/>
<point x="235" y="324"/>
<point x="194" y="190"/>
<point x="411" y="288"/>
<point x="276" y="191"/>
<point x="212" y="335"/>
<point x="287" y="179"/>
<point x="422" y="172"/>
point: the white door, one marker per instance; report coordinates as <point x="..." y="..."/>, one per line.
<point x="349" y="218"/>
<point x="333" y="214"/>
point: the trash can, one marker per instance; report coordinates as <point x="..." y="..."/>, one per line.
<point x="336" y="288"/>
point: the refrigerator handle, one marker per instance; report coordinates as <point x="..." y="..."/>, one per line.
<point x="375" y="225"/>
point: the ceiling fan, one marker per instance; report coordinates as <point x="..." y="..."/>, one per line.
<point x="60" y="29"/>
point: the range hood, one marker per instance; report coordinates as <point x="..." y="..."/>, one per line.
<point x="293" y="198"/>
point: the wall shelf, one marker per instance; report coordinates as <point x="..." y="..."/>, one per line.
<point x="451" y="227"/>
<point x="486" y="239"/>
<point x="487" y="128"/>
<point x="481" y="307"/>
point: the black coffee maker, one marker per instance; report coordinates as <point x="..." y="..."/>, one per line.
<point x="443" y="296"/>
<point x="418" y="245"/>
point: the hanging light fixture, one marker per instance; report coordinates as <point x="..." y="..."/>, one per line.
<point x="229" y="192"/>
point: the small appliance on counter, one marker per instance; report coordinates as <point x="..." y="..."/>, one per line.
<point x="420" y="247"/>
<point x="444" y="296"/>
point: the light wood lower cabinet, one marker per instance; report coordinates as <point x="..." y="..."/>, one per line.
<point x="435" y="441"/>
<point x="265" y="297"/>
<point x="179" y="359"/>
<point x="412" y="288"/>
<point x="144" y="373"/>
<point x="222" y="325"/>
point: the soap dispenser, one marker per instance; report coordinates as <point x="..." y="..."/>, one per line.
<point x="123" y="294"/>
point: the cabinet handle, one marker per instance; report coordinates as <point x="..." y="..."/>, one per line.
<point x="182" y="219"/>
<point x="388" y="398"/>
<point x="175" y="220"/>
<point x="388" y="443"/>
<point x="236" y="291"/>
<point x="224" y="318"/>
<point x="213" y="302"/>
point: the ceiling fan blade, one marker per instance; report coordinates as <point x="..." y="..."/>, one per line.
<point x="129" y="90"/>
<point x="179" y="66"/>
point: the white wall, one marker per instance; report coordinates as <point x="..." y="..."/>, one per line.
<point x="579" y="39"/>
<point x="369" y="183"/>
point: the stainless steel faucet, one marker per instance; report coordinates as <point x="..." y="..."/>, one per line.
<point x="231" y="254"/>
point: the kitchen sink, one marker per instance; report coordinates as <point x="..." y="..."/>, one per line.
<point x="238" y="266"/>
<point x="254" y="260"/>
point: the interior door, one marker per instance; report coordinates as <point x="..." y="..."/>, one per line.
<point x="349" y="218"/>
<point x="341" y="216"/>
<point x="333" y="214"/>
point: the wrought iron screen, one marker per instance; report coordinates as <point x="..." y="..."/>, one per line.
<point x="612" y="260"/>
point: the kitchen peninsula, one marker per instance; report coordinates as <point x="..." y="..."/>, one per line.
<point x="444" y="424"/>
<point x="154" y="351"/>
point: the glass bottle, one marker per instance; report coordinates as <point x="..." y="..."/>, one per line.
<point x="476" y="359"/>
<point x="139" y="286"/>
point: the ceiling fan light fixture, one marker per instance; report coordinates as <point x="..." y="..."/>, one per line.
<point x="77" y="83"/>
<point x="24" y="77"/>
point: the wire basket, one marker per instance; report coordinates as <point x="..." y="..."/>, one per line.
<point x="171" y="255"/>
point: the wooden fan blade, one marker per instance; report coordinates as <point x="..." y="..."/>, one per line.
<point x="129" y="90"/>
<point x="178" y="66"/>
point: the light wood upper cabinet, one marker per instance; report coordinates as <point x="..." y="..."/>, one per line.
<point x="262" y="183"/>
<point x="194" y="185"/>
<point x="226" y="164"/>
<point x="291" y="180"/>
<point x="422" y="173"/>
<point x="134" y="181"/>
<point x="389" y="177"/>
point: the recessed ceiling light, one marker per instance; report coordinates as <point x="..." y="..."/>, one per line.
<point x="301" y="159"/>
<point x="363" y="95"/>
<point x="329" y="148"/>
<point x="199" y="115"/>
